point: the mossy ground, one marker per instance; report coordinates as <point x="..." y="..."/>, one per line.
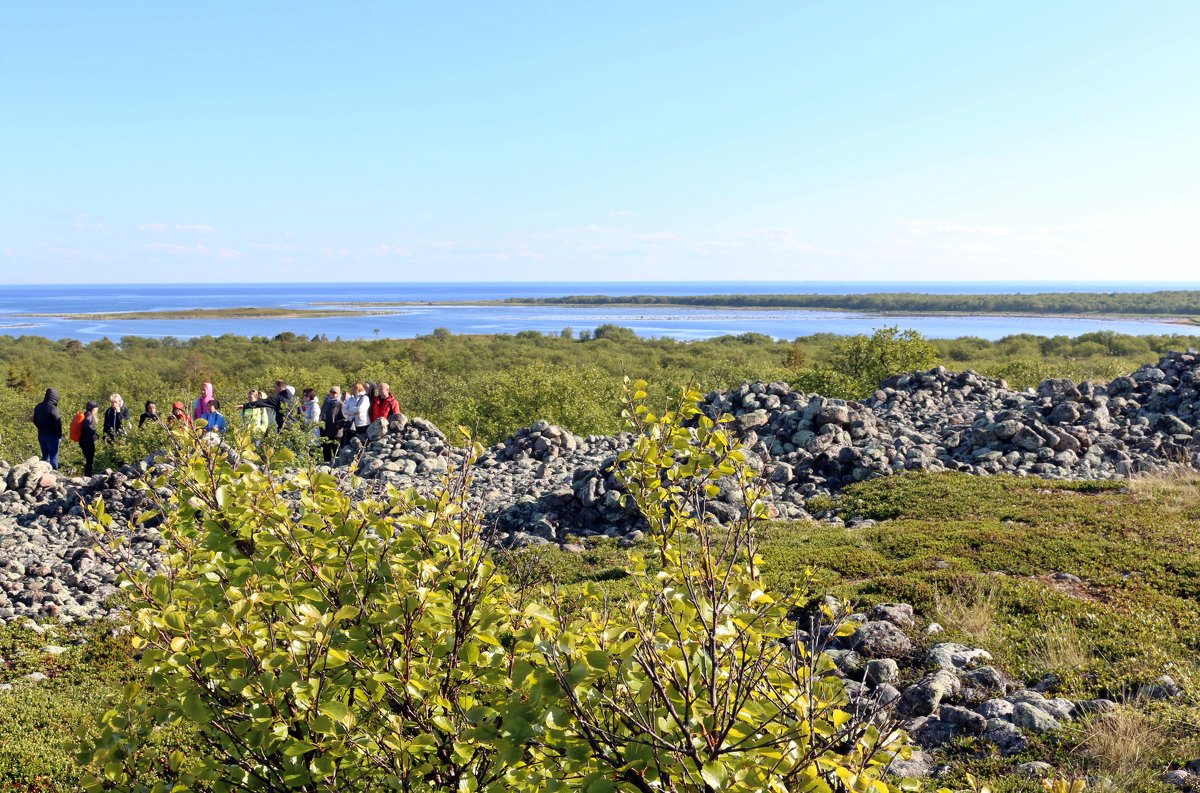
<point x="978" y="555"/>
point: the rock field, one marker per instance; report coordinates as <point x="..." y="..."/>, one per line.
<point x="545" y="483"/>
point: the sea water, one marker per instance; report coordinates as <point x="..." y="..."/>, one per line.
<point x="428" y="313"/>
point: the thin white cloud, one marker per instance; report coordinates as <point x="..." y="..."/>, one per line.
<point x="177" y="249"/>
<point x="942" y="227"/>
<point x="621" y="213"/>
<point x="182" y="228"/>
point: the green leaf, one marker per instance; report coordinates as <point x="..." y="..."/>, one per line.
<point x="338" y="711"/>
<point x="714" y="774"/>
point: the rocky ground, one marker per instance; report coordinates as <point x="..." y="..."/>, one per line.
<point x="940" y="692"/>
<point x="545" y="483"/>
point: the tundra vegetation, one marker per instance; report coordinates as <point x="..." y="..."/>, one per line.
<point x="497" y="384"/>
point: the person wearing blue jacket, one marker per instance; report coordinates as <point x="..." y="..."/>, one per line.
<point x="212" y="418"/>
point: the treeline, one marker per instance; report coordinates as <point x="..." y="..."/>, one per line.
<point x="1164" y="303"/>
<point x="497" y="384"/>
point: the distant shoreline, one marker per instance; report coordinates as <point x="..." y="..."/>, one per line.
<point x="245" y="312"/>
<point x="1182" y="318"/>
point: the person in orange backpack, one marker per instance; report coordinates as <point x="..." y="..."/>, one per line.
<point x="87" y="436"/>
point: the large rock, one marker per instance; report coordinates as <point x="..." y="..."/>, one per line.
<point x="1032" y="718"/>
<point x="377" y="429"/>
<point x="879" y="639"/>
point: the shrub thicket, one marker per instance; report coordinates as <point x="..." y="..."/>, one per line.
<point x="314" y="641"/>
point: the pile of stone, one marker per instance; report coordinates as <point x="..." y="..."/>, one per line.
<point x="943" y="691"/>
<point x="400" y="447"/>
<point x="939" y="420"/>
<point x="544" y="482"/>
<point x="50" y="563"/>
<point x="534" y="487"/>
<point x="541" y="441"/>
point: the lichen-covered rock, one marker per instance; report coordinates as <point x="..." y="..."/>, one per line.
<point x="1032" y="718"/>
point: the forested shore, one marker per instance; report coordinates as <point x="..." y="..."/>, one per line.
<point x="1182" y="303"/>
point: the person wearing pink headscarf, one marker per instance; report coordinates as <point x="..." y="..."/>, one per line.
<point x="203" y="402"/>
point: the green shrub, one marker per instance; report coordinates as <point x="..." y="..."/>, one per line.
<point x="868" y="360"/>
<point x="313" y="641"/>
<point x="695" y="683"/>
<point x="316" y="641"/>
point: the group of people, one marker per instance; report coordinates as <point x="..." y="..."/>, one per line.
<point x="85" y="428"/>
<point x="333" y="421"/>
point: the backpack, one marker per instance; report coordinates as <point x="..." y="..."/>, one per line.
<point x="77" y="427"/>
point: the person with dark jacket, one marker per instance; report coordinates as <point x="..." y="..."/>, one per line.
<point x="279" y="402"/>
<point x="48" y="421"/>
<point x="332" y="423"/>
<point x="87" y="436"/>
<point x="383" y="404"/>
<point x="150" y="414"/>
<point x="116" y="418"/>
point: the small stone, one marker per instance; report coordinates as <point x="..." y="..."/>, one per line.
<point x="896" y="613"/>
<point x="881" y="670"/>
<point x="966" y="721"/>
<point x="1035" y="770"/>
<point x="923" y="697"/>
<point x="1164" y="687"/>
<point x="1006" y="737"/>
<point x="995" y="709"/>
<point x="949" y="655"/>
<point x="879" y="639"/>
<point x="918" y="766"/>
<point x="1180" y="779"/>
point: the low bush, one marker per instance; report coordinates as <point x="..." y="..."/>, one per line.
<point x="311" y="640"/>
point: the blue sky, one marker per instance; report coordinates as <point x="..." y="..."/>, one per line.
<point x="567" y="141"/>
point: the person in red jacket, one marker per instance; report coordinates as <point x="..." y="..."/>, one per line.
<point x="384" y="404"/>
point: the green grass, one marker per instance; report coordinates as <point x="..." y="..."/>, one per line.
<point x="975" y="554"/>
<point x="41" y="721"/>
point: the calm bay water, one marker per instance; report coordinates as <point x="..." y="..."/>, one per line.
<point x="681" y="323"/>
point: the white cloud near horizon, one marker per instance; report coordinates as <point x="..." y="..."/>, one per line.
<point x="183" y="228"/>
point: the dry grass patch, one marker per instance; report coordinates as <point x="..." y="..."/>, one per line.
<point x="1177" y="488"/>
<point x="1061" y="648"/>
<point x="1124" y="745"/>
<point x="969" y="609"/>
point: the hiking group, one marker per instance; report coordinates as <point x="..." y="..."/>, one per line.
<point x="332" y="421"/>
